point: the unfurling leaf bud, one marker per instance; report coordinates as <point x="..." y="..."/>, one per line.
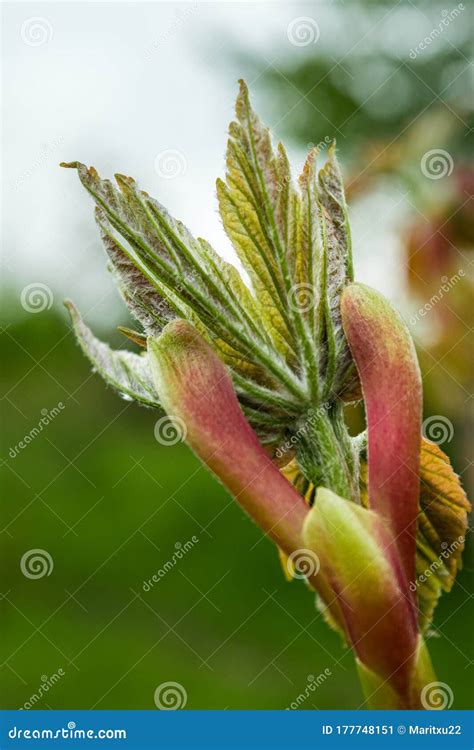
<point x="360" y="561"/>
<point x="194" y="386"/>
<point x="388" y="369"/>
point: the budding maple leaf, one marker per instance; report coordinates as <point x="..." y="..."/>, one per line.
<point x="260" y="376"/>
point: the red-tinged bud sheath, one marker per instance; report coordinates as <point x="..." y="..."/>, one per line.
<point x="361" y="563"/>
<point x="388" y="369"/>
<point x="194" y="385"/>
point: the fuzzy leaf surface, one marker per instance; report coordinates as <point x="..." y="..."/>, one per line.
<point x="126" y="372"/>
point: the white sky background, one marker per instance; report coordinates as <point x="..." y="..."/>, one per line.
<point x="115" y="84"/>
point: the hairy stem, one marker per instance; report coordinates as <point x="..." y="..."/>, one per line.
<point x="325" y="453"/>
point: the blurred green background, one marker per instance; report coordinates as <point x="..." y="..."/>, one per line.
<point x="109" y="503"/>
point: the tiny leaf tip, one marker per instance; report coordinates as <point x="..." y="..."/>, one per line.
<point x="71" y="308"/>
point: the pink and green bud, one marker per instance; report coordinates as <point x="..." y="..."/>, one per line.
<point x="388" y="369"/>
<point x="194" y="385"/>
<point x="360" y="562"/>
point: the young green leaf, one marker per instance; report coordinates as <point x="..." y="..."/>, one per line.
<point x="152" y="309"/>
<point x="295" y="246"/>
<point x="178" y="276"/>
<point x="126" y="372"/>
<point x="442" y="527"/>
<point x="253" y="213"/>
<point x="335" y="273"/>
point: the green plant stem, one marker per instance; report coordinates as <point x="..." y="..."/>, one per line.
<point x="325" y="452"/>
